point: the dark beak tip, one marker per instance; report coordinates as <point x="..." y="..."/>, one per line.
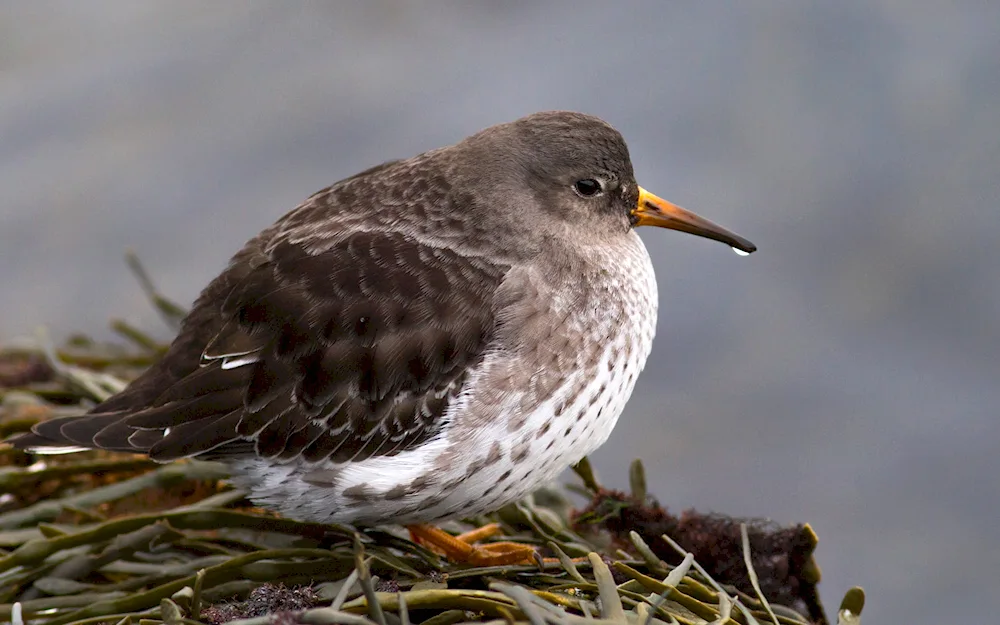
<point x="741" y="246"/>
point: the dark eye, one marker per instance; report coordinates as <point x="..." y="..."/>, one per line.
<point x="588" y="187"/>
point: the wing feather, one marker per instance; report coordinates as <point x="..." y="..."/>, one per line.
<point x="348" y="350"/>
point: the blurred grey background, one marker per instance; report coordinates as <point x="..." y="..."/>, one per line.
<point x="846" y="375"/>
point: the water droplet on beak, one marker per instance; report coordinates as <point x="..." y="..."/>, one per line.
<point x="740" y="252"/>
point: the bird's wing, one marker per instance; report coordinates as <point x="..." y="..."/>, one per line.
<point x="348" y="351"/>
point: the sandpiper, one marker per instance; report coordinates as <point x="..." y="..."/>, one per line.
<point x="431" y="338"/>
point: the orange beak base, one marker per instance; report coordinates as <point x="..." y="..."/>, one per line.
<point x="651" y="210"/>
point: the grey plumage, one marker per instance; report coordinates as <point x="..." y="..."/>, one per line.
<point x="467" y="321"/>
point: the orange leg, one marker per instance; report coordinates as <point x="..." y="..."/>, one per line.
<point x="480" y="533"/>
<point x="461" y="549"/>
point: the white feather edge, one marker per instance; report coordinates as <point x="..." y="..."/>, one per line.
<point x="232" y="362"/>
<point x="43" y="450"/>
<point x="55" y="450"/>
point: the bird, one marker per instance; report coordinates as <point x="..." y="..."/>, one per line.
<point x="431" y="338"/>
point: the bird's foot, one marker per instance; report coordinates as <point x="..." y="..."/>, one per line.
<point x="462" y="548"/>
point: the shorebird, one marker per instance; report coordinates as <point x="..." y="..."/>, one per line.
<point x="431" y="338"/>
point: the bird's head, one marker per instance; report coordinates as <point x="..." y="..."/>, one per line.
<point x="578" y="169"/>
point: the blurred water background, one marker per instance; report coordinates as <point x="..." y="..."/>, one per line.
<point x="846" y="375"/>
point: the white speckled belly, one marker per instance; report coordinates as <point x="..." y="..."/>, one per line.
<point x="493" y="451"/>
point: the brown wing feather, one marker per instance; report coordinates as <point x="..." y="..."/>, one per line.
<point x="357" y="351"/>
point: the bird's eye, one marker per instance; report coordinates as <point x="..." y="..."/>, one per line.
<point x="588" y="187"/>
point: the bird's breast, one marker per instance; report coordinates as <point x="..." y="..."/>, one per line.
<point x="549" y="392"/>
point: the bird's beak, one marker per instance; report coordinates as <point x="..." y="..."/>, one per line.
<point x="654" y="211"/>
